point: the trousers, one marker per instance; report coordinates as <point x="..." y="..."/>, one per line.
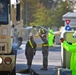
<point x="45" y="61"/>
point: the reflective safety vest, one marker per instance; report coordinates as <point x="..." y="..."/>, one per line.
<point x="31" y="44"/>
<point x="71" y="48"/>
<point x="51" y="38"/>
<point x="45" y="45"/>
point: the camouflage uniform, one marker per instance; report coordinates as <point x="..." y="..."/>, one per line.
<point x="44" y="52"/>
<point x="30" y="52"/>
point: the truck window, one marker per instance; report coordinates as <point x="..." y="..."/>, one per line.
<point x="3" y="12"/>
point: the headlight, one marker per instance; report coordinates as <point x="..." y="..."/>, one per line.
<point x="3" y="37"/>
<point x="1" y="60"/>
<point x="7" y="60"/>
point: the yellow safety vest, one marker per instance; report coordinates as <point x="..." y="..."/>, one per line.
<point x="31" y="44"/>
<point x="45" y="44"/>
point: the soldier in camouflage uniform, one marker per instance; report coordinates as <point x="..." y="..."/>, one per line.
<point x="44" y="51"/>
<point x="30" y="51"/>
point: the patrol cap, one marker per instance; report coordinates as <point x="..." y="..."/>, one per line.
<point x="30" y="37"/>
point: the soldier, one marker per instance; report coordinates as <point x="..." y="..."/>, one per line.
<point x="44" y="51"/>
<point x="30" y="51"/>
<point x="51" y="38"/>
<point x="71" y="47"/>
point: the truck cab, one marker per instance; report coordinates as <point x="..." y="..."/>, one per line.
<point x="7" y="52"/>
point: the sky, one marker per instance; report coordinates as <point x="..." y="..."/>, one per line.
<point x="13" y="1"/>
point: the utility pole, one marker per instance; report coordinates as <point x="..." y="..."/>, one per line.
<point x="26" y="14"/>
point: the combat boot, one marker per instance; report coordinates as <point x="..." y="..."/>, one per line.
<point x="43" y="68"/>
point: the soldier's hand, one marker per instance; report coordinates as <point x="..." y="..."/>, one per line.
<point x="39" y="33"/>
<point x="62" y="40"/>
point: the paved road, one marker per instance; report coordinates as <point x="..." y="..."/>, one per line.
<point x="54" y="59"/>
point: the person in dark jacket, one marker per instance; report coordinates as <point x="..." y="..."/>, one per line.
<point x="44" y="51"/>
<point x="30" y="51"/>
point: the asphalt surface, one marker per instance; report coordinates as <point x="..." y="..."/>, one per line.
<point x="54" y="60"/>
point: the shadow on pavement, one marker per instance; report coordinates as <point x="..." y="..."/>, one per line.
<point x="25" y="71"/>
<point x="52" y="70"/>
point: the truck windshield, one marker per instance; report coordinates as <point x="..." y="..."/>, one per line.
<point x="3" y="12"/>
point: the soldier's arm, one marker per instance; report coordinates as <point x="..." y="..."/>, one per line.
<point x="35" y="45"/>
<point x="69" y="47"/>
<point x="26" y="48"/>
<point x="41" y="37"/>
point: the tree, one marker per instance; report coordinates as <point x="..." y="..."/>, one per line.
<point x="41" y="16"/>
<point x="56" y="18"/>
<point x="47" y="3"/>
<point x="31" y="7"/>
<point x="38" y="14"/>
